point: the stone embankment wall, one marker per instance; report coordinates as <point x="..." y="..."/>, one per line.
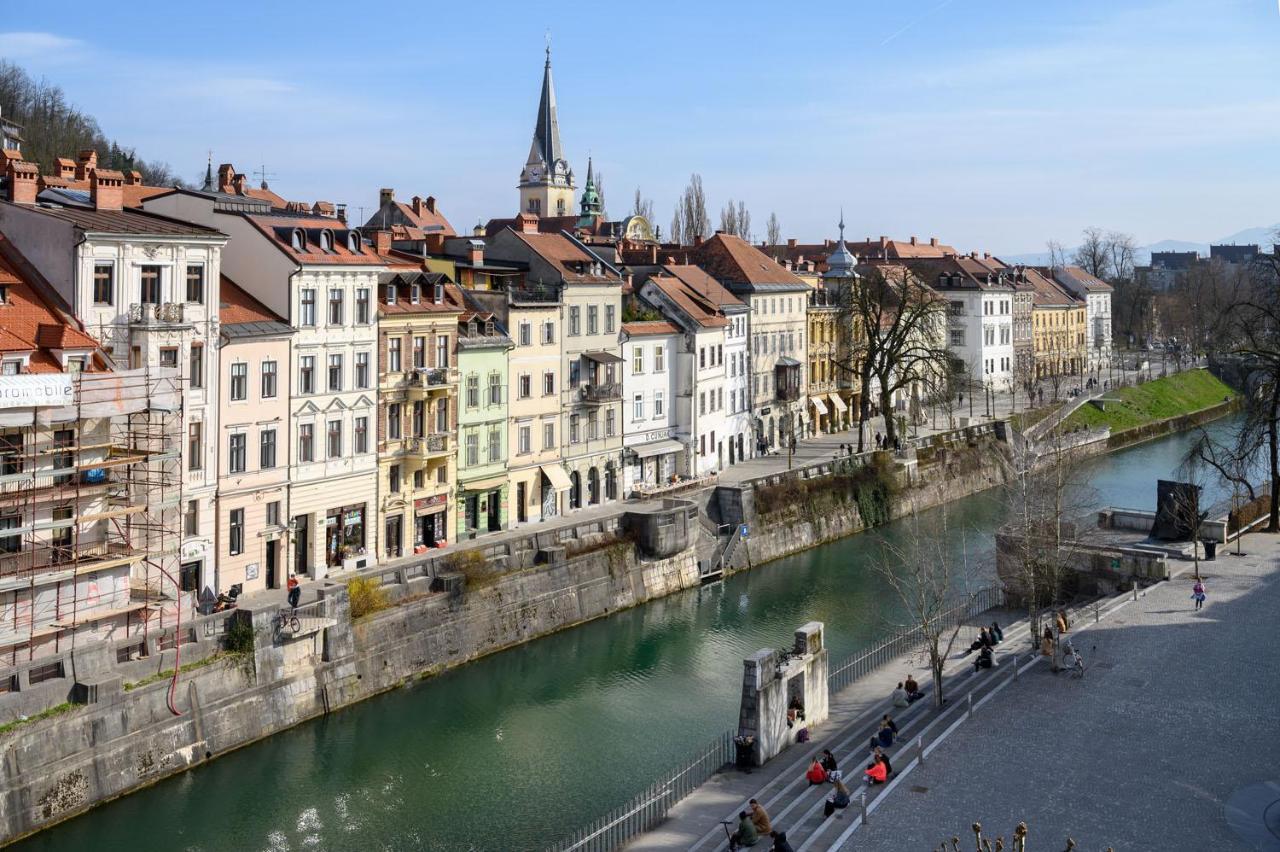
<point x="1181" y="423"/>
<point x="57" y="767"/>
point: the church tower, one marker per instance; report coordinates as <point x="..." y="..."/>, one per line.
<point x="546" y="184"/>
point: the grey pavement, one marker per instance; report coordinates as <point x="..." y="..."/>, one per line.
<point x="1179" y="710"/>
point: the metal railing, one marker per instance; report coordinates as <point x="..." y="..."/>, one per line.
<point x="650" y="807"/>
<point x="602" y="392"/>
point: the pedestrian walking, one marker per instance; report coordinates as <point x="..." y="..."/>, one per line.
<point x="1197" y="593"/>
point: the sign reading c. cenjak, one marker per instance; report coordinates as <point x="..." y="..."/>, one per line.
<point x="36" y="391"/>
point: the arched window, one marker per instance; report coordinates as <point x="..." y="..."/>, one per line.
<point x="593" y="486"/>
<point x="326" y="240"/>
<point x="575" y="491"/>
<point x="353" y="242"/>
<point x="610" y="482"/>
<point x="299" y="239"/>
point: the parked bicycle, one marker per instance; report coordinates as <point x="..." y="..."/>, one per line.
<point x="287" y="619"/>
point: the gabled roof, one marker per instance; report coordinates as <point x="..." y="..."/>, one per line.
<point x="1077" y="280"/>
<point x="1048" y="293"/>
<point x="965" y="272"/>
<point x="244" y="316"/>
<point x="32" y="321"/>
<point x="278" y="228"/>
<point x="572" y="261"/>
<point x="405" y="279"/>
<point x="741" y="266"/>
<point x="132" y="222"/>
<point x="698" y="307"/>
<point x="645" y="328"/>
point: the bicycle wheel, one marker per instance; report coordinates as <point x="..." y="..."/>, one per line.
<point x="294" y="624"/>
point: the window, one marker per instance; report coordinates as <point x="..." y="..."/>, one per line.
<point x="393" y="354"/>
<point x="150" y="285"/>
<point x="495" y="444"/>
<point x="308" y="315"/>
<point x="702" y="402"/>
<point x="495" y="389"/>
<point x="720" y="354"/>
<point x="391" y="294"/>
<point x="526" y="332"/>
<point x="637" y="360"/>
<point x="268" y="379"/>
<point x="195" y="446"/>
<point x="524" y="386"/>
<point x="574" y="321"/>
<point x="419" y="478"/>
<point x="610" y="312"/>
<point x="195" y="284"/>
<point x="473" y="390"/>
<point x="11" y="367"/>
<point x="307" y="374"/>
<point x="362" y="306"/>
<point x="10" y="543"/>
<point x="575" y="373"/>
<point x="235" y="544"/>
<point x="548" y="383"/>
<point x="548" y="436"/>
<point x="573" y="429"/>
<point x="525" y="439"/>
<point x="593" y="319"/>
<point x="659" y="359"/>
<point x="362" y="435"/>
<point x="191" y="518"/>
<point x="548" y="332"/>
<point x="236" y="453"/>
<point x="195" y="366"/>
<point x="442" y="350"/>
<point x="419" y="352"/>
<point x="169" y="356"/>
<point x="362" y="369"/>
<point x="637" y="407"/>
<point x="419" y="418"/>
<point x="393" y="478"/>
<point x="957" y="337"/>
<point x="702" y="357"/>
<point x="335" y="306"/>
<point x="306" y="442"/>
<point x="611" y="423"/>
<point x="593" y="426"/>
<point x="393" y="420"/>
<point x="657" y="403"/>
<point x="335" y="372"/>
<point x="104" y="284"/>
<point x="335" y="439"/>
<point x="442" y="415"/>
<point x="239" y="382"/>
<point x="473" y="449"/>
<point x="267" y="449"/>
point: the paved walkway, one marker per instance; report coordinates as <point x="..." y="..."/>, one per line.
<point x="1177" y="712"/>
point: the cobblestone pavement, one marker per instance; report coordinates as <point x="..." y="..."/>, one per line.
<point x="1178" y="710"/>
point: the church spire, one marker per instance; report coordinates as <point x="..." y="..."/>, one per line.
<point x="546" y="183"/>
<point x="208" y="175"/>
<point x="546" y="133"/>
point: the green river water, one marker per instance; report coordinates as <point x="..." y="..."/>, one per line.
<point x="518" y="749"/>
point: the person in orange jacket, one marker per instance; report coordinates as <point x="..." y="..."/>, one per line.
<point x="876" y="773"/>
<point x="816" y="774"/>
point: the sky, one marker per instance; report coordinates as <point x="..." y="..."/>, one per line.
<point x="992" y="124"/>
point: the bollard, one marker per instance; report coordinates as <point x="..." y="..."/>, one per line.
<point x="920" y="750"/>
<point x="970" y="699"/>
<point x="1095" y="612"/>
<point x="1135" y="591"/>
<point x="864" y="807"/>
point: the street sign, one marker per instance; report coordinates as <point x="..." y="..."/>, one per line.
<point x="742" y="531"/>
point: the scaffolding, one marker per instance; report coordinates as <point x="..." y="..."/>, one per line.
<point x="91" y="514"/>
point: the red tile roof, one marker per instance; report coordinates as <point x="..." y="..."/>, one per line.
<point x="238" y="306"/>
<point x="32" y="321"/>
<point x="568" y="257"/>
<point x="697" y="280"/>
<point x="278" y="228"/>
<point x="424" y="218"/>
<point x="648" y="327"/>
<point x="697" y="306"/>
<point x="735" y="262"/>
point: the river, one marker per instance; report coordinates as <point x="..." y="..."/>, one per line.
<point x="516" y="750"/>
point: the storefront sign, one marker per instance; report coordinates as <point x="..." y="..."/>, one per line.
<point x="251" y="571"/>
<point x="427" y="503"/>
<point x="36" y="391"/>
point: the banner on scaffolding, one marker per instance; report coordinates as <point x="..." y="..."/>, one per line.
<point x="36" y="391"/>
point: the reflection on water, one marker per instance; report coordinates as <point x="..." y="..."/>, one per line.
<point x="520" y="748"/>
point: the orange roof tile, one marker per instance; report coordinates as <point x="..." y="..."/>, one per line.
<point x="649" y="327"/>
<point x="32" y="321"/>
<point x="238" y="306"/>
<point x="735" y="262"/>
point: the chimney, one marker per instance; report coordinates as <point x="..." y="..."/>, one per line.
<point x="65" y="168"/>
<point x="237" y="184"/>
<point x="23" y="177"/>
<point x="431" y="203"/>
<point x="653" y="253"/>
<point x="527" y="223"/>
<point x="697" y="240"/>
<point x="933" y="241"/>
<point x="433" y="243"/>
<point x="88" y="162"/>
<point x="884" y="241"/>
<point x="106" y="189"/>
<point x="226" y="177"/>
<point x="385" y="196"/>
<point x="341" y="212"/>
<point x="913" y="241"/>
<point x="477" y="253"/>
<point x="791" y="242"/>
<point x="382" y="242"/>
<point x="416" y="205"/>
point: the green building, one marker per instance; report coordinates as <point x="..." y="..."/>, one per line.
<point x="483" y="347"/>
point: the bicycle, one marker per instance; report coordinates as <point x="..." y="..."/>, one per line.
<point x="288" y="618"/>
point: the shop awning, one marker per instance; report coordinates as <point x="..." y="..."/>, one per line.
<point x="657" y="448"/>
<point x="818" y="405"/>
<point x="837" y="403"/>
<point x="559" y="479"/>
<point x="787" y="361"/>
<point x="602" y="357"/>
<point x="487" y="484"/>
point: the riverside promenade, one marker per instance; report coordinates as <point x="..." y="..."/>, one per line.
<point x="1169" y="739"/>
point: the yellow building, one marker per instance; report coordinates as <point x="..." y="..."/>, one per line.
<point x="1058" y="327"/>
<point x="418" y="411"/>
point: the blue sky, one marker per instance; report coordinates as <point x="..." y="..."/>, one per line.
<point x="992" y="124"/>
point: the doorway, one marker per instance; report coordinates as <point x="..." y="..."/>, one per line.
<point x="273" y="548"/>
<point x="495" y="512"/>
<point x="522" y="495"/>
<point x="301" y="543"/>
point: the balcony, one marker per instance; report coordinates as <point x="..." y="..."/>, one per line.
<point x="598" y="394"/>
<point x="431" y="378"/>
<point x="149" y="314"/>
<point x="787" y="393"/>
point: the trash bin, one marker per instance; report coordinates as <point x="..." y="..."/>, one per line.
<point x="744" y="749"/>
<point x="1210" y="549"/>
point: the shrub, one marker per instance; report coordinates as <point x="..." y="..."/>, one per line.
<point x="367" y="597"/>
<point x="472" y="565"/>
<point x="239" y="639"/>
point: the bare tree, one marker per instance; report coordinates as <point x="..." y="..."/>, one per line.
<point x="1092" y="255"/>
<point x="920" y="566"/>
<point x="1120" y="253"/>
<point x="1057" y="254"/>
<point x="773" y="231"/>
<point x="1186" y="504"/>
<point x="736" y="219"/>
<point x="642" y="206"/>
<point x="690" y="220"/>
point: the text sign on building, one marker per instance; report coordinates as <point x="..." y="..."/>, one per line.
<point x="36" y="391"/>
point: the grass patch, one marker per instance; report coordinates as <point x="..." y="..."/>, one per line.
<point x="1172" y="396"/>
<point x="168" y="673"/>
<point x="367" y="597"/>
<point x="472" y="565"/>
<point x="56" y="710"/>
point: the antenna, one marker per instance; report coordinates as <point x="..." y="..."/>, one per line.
<point x="262" y="175"/>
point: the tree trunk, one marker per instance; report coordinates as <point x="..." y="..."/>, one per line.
<point x="890" y="428"/>
<point x="1273" y="451"/>
<point x="935" y="664"/>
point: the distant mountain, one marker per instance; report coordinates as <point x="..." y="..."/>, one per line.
<point x="1264" y="237"/>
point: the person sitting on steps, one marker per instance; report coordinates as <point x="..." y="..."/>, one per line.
<point x="829" y="765"/>
<point x="900" y="697"/>
<point x="881" y="756"/>
<point x="780" y="843"/>
<point x="884" y="736"/>
<point x="795" y="712"/>
<point x="746" y="835"/>
<point x="997" y="633"/>
<point x="876" y="773"/>
<point x="838" y="799"/>
<point x="913" y="689"/>
<point x="816" y="774"/>
<point x="984" y="660"/>
<point x="759" y="818"/>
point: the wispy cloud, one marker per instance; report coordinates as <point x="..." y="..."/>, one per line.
<point x="43" y="46"/>
<point x="912" y="23"/>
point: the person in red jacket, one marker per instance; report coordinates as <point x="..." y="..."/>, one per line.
<point x="876" y="773"/>
<point x="816" y="774"/>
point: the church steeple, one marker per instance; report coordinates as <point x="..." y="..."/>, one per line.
<point x="592" y="205"/>
<point x="208" y="175"/>
<point x="546" y="183"/>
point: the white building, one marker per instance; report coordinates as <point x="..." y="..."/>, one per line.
<point x="146" y="287"/>
<point x="979" y="297"/>
<point x="318" y="274"/>
<point x="653" y="450"/>
<point x="1097" y="296"/>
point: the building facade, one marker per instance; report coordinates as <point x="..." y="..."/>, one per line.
<point x="546" y="182"/>
<point x="1096" y="294"/>
<point x="654" y="451"/>
<point x="483" y="347"/>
